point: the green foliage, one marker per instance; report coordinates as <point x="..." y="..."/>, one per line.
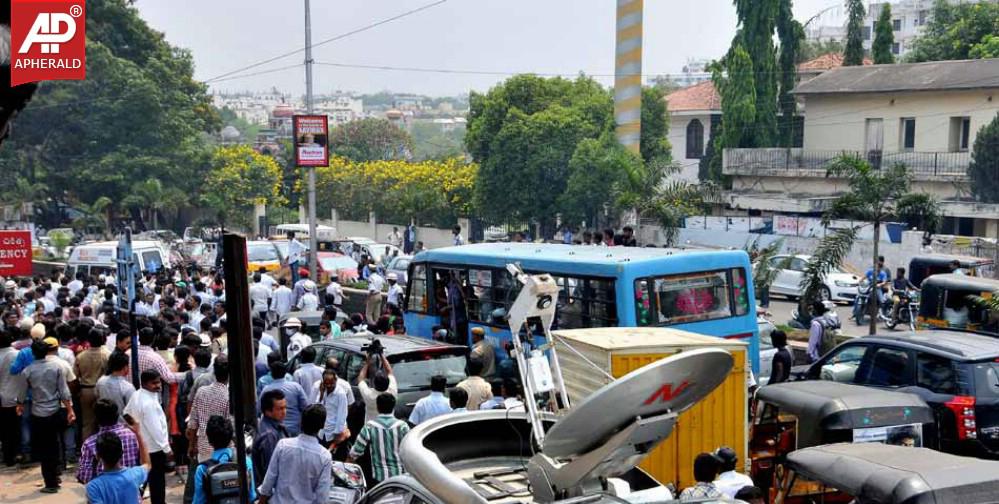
<point x="884" y="37"/>
<point x="984" y="167"/>
<point x="523" y="133"/>
<point x="987" y="48"/>
<point x="757" y="21"/>
<point x="830" y="253"/>
<point x="655" y="125"/>
<point x="738" y="96"/>
<point x="139" y="114"/>
<point x="430" y="142"/>
<point x="919" y="211"/>
<point x="649" y="189"/>
<point x="958" y="31"/>
<point x="370" y="139"/>
<point x="93" y="218"/>
<point x="791" y="35"/>
<point x="765" y="273"/>
<point x="598" y="168"/>
<point x="60" y="242"/>
<point x="853" y="54"/>
<point x="812" y="49"/>
<point x="152" y="197"/>
<point x="239" y="179"/>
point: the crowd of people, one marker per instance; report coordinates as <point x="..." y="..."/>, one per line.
<point x="67" y="394"/>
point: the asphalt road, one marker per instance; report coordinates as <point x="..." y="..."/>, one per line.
<point x="781" y="308"/>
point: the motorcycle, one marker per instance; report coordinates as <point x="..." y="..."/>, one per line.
<point x="861" y="307"/>
<point x="797" y="323"/>
<point x="909" y="307"/>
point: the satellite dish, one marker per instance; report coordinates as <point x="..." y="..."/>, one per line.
<point x="670" y="385"/>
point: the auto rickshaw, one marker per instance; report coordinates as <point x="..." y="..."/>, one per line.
<point x="794" y="415"/>
<point x="924" y="266"/>
<point x="880" y="474"/>
<point x="952" y="301"/>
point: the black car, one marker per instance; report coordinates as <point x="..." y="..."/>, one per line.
<point x="414" y="361"/>
<point x="956" y="373"/>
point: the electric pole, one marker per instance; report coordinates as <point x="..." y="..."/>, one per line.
<point x="313" y="246"/>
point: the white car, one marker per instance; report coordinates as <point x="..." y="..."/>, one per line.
<point x="839" y="285"/>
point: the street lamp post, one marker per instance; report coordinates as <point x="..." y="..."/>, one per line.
<point x="313" y="247"/>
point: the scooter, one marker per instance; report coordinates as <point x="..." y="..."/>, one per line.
<point x="797" y="323"/>
<point x="860" y="303"/>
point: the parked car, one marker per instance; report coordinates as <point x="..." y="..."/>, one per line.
<point x="839" y="285"/>
<point x="767" y="348"/>
<point x="332" y="264"/>
<point x="956" y="373"/>
<point x="414" y="361"/>
<point x="400" y="266"/>
<point x="263" y="254"/>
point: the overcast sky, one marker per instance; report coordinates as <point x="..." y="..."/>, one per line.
<point x="542" y="36"/>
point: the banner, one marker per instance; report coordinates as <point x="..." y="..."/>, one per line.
<point x="311" y="140"/>
<point x="15" y="253"/>
<point x="47" y="40"/>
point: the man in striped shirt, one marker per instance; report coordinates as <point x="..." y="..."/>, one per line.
<point x="382" y="436"/>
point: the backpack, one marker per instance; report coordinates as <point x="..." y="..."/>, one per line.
<point x="830" y="330"/>
<point x="221" y="483"/>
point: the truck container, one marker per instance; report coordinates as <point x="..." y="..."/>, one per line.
<point x="721" y="419"/>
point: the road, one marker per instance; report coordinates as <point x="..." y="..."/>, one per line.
<point x="22" y="485"/>
<point x="781" y="309"/>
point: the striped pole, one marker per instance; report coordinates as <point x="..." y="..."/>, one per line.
<point x="628" y="73"/>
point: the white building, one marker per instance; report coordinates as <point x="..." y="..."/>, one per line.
<point x="691" y="113"/>
<point x="341" y="108"/>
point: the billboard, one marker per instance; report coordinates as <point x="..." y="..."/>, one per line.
<point x="15" y="253"/>
<point x="311" y="140"/>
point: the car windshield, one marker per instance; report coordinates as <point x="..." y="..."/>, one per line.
<point x="986" y="378"/>
<point x="414" y="371"/>
<point x="262" y="252"/>
<point x="336" y="263"/>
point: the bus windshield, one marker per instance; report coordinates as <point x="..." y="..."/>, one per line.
<point x="693" y="297"/>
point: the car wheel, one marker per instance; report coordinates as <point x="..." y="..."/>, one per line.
<point x="825" y="294"/>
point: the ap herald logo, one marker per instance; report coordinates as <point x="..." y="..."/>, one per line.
<point x="47" y="40"/>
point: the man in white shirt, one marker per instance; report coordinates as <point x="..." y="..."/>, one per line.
<point x="395" y="238"/>
<point x="309" y="301"/>
<point x="729" y="482"/>
<point x="456" y="238"/>
<point x="75" y="285"/>
<point x="281" y="300"/>
<point x="298" y="341"/>
<point x="266" y="279"/>
<point x="335" y="290"/>
<point x="260" y="296"/>
<point x="145" y="409"/>
<point x="373" y="305"/>
<point x="384" y="383"/>
<point x="395" y="292"/>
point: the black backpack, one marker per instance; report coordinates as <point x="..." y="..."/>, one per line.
<point x="221" y="483"/>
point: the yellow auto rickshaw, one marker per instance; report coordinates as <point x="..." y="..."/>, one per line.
<point x="955" y="302"/>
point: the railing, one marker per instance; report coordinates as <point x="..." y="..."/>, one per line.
<point x="752" y="161"/>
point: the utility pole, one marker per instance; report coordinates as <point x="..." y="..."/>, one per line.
<point x="313" y="246"/>
<point x="628" y="73"/>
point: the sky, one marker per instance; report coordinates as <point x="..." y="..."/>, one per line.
<point x="494" y="37"/>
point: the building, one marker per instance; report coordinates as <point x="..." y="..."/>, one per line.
<point x="281" y="120"/>
<point x="692" y="111"/>
<point x="340" y="108"/>
<point x="925" y="115"/>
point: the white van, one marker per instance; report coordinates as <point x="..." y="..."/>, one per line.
<point x="100" y="258"/>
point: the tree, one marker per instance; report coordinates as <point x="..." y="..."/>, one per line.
<point x="919" y="211"/>
<point x="957" y="31"/>
<point x="652" y="191"/>
<point x="984" y="166"/>
<point x="597" y="170"/>
<point x="239" y="179"/>
<point x="371" y="139"/>
<point x="791" y="35"/>
<point x="884" y="37"/>
<point x="853" y="55"/>
<point x="430" y="142"/>
<point x="523" y="133"/>
<point x="764" y="271"/>
<point x="152" y="197"/>
<point x="95" y="217"/>
<point x="757" y="20"/>
<point x="872" y="197"/>
<point x="734" y="80"/>
<point x="654" y="142"/>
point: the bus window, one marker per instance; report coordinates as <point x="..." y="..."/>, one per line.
<point x="694" y="297"/>
<point x="740" y="291"/>
<point x="152" y="260"/>
<point x="585" y="302"/>
<point x="417" y="300"/>
<point x="491" y="292"/>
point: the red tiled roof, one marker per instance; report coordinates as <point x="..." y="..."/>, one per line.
<point x="826" y="62"/>
<point x="701" y="96"/>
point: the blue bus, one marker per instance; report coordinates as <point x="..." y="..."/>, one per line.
<point x="702" y="291"/>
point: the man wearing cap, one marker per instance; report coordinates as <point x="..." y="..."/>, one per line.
<point x="51" y="407"/>
<point x="373" y="305"/>
<point x="729" y="482"/>
<point x="309" y="301"/>
<point x="483" y="350"/>
<point x="298" y="340"/>
<point x="395" y="293"/>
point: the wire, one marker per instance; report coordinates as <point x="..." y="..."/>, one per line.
<point x="262" y="72"/>
<point x="327" y="41"/>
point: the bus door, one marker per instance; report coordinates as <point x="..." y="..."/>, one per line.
<point x="437" y="298"/>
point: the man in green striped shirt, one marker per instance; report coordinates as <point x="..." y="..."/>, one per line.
<point x="383" y="435"/>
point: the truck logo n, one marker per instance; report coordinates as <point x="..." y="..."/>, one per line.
<point x="666" y="393"/>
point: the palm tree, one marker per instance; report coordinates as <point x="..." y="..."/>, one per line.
<point x="94" y="216"/>
<point x="649" y="190"/>
<point x="25" y="194"/>
<point x="151" y="196"/>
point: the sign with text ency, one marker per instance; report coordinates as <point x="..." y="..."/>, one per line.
<point x="15" y="253"/>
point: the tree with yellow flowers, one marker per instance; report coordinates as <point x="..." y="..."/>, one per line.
<point x="240" y="178"/>
<point x="431" y="192"/>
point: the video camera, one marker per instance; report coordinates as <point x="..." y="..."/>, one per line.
<point x="374" y="348"/>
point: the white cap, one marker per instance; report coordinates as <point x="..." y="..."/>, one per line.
<point x="10" y="284"/>
<point x="392" y="276"/>
<point x="293" y="322"/>
<point x="309" y="285"/>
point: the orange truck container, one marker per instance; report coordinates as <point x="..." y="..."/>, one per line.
<point x="721" y="419"/>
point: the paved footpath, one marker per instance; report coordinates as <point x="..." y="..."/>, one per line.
<point x="21" y="485"/>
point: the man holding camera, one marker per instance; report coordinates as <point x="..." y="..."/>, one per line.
<point x="384" y="381"/>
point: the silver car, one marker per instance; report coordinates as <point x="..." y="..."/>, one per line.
<point x="400" y="266"/>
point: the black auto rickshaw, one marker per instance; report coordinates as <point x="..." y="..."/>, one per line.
<point x="924" y="266"/>
<point x="794" y="415"/>
<point x="953" y="301"/>
<point x="880" y="474"/>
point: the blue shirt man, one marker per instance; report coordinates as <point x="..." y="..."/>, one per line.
<point x="293" y="394"/>
<point x="300" y="469"/>
<point x="117" y="485"/>
<point x="432" y="405"/>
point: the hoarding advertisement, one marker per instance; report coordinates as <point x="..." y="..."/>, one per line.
<point x="311" y="140"/>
